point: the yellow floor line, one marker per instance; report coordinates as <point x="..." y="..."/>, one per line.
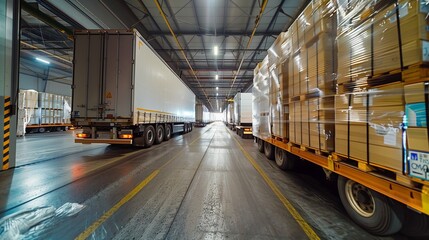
<point x="128" y="197"/>
<point x="115" y="208"/>
<point x="295" y="214"/>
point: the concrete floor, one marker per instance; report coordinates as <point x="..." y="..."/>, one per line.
<point x="200" y="185"/>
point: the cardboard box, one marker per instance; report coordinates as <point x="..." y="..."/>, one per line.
<point x="386" y="42"/>
<point x="354" y="53"/>
<point x="415" y="52"/>
<point x="417" y="139"/>
<point x="415" y="93"/>
<point x="383" y="135"/>
<point x="413" y="19"/>
<point x="387" y="95"/>
<point x="386" y="157"/>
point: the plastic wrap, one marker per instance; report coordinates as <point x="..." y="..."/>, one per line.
<point x="17" y="225"/>
<point x="374" y="52"/>
<point x="27" y="109"/>
<point x="261" y="104"/>
<point x="375" y="38"/>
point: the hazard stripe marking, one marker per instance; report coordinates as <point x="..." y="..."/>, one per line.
<point x="6" y="132"/>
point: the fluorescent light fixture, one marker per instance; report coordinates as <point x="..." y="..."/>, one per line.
<point x="217" y="77"/>
<point x="217" y="94"/>
<point x="217" y="88"/>
<point x="216" y="50"/>
<point x="42" y="60"/>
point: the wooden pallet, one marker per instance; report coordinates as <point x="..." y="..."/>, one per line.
<point x="416" y="73"/>
<point x="410" y="74"/>
<point x="313" y="150"/>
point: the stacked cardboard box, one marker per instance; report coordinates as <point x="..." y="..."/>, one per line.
<point x="369" y="126"/>
<point x="416" y="98"/>
<point x="373" y="41"/>
<point x="261" y="104"/>
<point x="278" y="60"/>
<point x="312" y="71"/>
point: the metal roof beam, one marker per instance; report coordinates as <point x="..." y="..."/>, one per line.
<point x="220" y="33"/>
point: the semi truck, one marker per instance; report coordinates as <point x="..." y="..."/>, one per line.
<point x="345" y="89"/>
<point x="202" y="115"/>
<point x="124" y="93"/>
<point x="243" y="114"/>
<point x="229" y="116"/>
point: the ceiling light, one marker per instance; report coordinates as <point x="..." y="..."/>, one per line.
<point x="217" y="94"/>
<point x="216" y="50"/>
<point x="42" y="60"/>
<point x="217" y="88"/>
<point x="217" y="77"/>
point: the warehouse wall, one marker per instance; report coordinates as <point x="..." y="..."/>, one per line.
<point x="40" y="85"/>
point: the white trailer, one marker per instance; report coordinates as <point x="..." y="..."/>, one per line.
<point x="243" y="114"/>
<point x="124" y="93"/>
<point x="202" y="115"/>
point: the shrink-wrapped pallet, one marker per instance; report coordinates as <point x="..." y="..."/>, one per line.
<point x="278" y="60"/>
<point x="369" y="126"/>
<point x="376" y="38"/>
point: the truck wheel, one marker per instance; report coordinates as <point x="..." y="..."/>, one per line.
<point x="42" y="130"/>
<point x="149" y="136"/>
<point x="185" y="128"/>
<point x="415" y="224"/>
<point x="260" y="145"/>
<point x="284" y="160"/>
<point x="269" y="150"/>
<point x="167" y="134"/>
<point x="159" y="137"/>
<point x="368" y="208"/>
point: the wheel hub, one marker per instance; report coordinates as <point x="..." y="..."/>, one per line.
<point x="360" y="198"/>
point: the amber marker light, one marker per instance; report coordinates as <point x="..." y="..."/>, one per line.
<point x="127" y="136"/>
<point x="82" y="135"/>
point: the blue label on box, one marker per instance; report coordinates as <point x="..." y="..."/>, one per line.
<point x="419" y="164"/>
<point x="416" y="114"/>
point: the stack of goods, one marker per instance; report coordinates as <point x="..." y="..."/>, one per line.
<point x="380" y="46"/>
<point x="312" y="76"/>
<point x="261" y="104"/>
<point x="27" y="105"/>
<point x="380" y="37"/>
<point x="278" y="60"/>
<point x="50" y="108"/>
<point x="416" y="98"/>
<point x="369" y="126"/>
<point x="67" y="109"/>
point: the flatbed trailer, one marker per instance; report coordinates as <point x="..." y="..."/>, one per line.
<point x="322" y="96"/>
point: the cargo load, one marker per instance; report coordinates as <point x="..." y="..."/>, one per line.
<point x="41" y="112"/>
<point x="347" y="89"/>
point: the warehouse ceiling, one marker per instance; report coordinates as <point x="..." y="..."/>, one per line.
<point x="242" y="30"/>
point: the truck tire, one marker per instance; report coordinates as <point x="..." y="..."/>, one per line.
<point x="369" y="209"/>
<point x="260" y="145"/>
<point x="159" y="136"/>
<point x="284" y="160"/>
<point x="269" y="150"/>
<point x="42" y="130"/>
<point x="415" y="224"/>
<point x="185" y="128"/>
<point x="167" y="134"/>
<point x="149" y="136"/>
